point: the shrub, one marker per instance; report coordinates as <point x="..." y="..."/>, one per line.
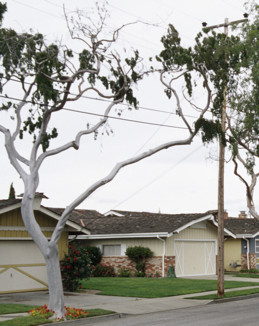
<point x="123" y="272"/>
<point x="74" y="267"/>
<point x="139" y="255"/>
<point x="102" y="270"/>
<point x="94" y="254"/>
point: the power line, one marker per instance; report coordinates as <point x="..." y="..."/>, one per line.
<point x="99" y="115"/>
<point x="109" y="101"/>
<point x="158" y="177"/>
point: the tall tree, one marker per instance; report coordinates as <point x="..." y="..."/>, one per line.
<point x="243" y="118"/>
<point x="47" y="77"/>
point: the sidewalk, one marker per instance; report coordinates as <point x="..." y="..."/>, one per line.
<point x="120" y="305"/>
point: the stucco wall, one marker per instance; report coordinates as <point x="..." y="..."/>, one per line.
<point x="232" y="254"/>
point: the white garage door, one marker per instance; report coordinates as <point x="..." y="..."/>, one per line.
<point x="195" y="258"/>
<point x="22" y="267"/>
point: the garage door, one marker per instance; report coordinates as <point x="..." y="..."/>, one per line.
<point x="22" y="267"/>
<point x="195" y="258"/>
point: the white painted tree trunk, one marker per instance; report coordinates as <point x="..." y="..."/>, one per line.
<point x="49" y="250"/>
<point x="56" y="294"/>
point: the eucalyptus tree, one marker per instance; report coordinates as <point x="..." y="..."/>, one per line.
<point x="45" y="78"/>
<point x="243" y="122"/>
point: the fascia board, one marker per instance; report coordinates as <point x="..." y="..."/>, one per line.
<point x="113" y="213"/>
<point x="68" y="222"/>
<point x="10" y="208"/>
<point x="225" y="230"/>
<point x="242" y="236"/>
<point x="204" y="218"/>
<point x="121" y="235"/>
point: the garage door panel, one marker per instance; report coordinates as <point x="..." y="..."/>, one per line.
<point x="22" y="267"/>
<point x="13" y="280"/>
<point x="195" y="258"/>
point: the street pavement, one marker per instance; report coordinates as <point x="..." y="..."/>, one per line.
<point x="120" y="305"/>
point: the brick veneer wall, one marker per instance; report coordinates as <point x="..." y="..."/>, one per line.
<point x="153" y="265"/>
<point x="252" y="261"/>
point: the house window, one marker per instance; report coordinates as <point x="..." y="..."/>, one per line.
<point x="111" y="250"/>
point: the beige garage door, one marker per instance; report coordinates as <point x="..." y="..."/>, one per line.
<point x="22" y="267"/>
<point x="195" y="258"/>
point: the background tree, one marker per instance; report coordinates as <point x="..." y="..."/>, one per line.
<point x="243" y="118"/>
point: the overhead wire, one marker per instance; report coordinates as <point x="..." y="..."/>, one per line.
<point x="99" y="115"/>
<point x="110" y="101"/>
<point x="173" y="166"/>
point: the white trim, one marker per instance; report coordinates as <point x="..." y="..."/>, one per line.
<point x="47" y="212"/>
<point x="120" y="235"/>
<point x="68" y="222"/>
<point x="204" y="218"/>
<point x="23" y="228"/>
<point x="179" y="256"/>
<point x="163" y="255"/>
<point x="19" y="238"/>
<point x="113" y="213"/>
<point x="225" y="230"/>
<point x="123" y="249"/>
<point x="10" y="208"/>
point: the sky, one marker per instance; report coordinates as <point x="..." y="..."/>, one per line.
<point x="178" y="180"/>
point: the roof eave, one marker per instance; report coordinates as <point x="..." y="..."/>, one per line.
<point x="122" y="235"/>
<point x="201" y="219"/>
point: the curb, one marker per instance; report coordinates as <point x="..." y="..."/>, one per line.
<point x="96" y="319"/>
<point x="239" y="298"/>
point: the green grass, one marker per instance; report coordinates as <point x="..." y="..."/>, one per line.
<point x="248" y="275"/>
<point x="12" y="308"/>
<point x="230" y="294"/>
<point x="155" y="288"/>
<point x="26" y="321"/>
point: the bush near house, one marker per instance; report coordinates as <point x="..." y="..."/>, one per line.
<point x="94" y="254"/>
<point x="102" y="270"/>
<point x="139" y="255"/>
<point x="76" y="266"/>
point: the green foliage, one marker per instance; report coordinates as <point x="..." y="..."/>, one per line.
<point x="124" y="272"/>
<point x="75" y="266"/>
<point x="11" y="192"/>
<point x="94" y="254"/>
<point x="139" y="255"/>
<point x="210" y="130"/>
<point x="103" y="270"/>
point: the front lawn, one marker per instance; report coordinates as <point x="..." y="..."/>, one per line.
<point x="230" y="294"/>
<point x="247" y="275"/>
<point x="155" y="288"/>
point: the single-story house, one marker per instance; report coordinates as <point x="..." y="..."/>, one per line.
<point x="188" y="242"/>
<point x="22" y="266"/>
<point x="243" y="251"/>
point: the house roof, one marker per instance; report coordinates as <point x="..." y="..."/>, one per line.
<point x="9" y="202"/>
<point x="128" y="222"/>
<point x="7" y="205"/>
<point x="242" y="226"/>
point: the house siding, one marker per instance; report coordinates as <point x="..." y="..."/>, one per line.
<point x="154" y="264"/>
<point x="14" y="220"/>
<point x="232" y="255"/>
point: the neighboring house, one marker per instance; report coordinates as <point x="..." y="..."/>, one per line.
<point x="22" y="266"/>
<point x="242" y="252"/>
<point x="186" y="241"/>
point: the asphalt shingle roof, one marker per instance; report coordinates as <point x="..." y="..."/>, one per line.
<point x="242" y="226"/>
<point x="8" y="202"/>
<point x="132" y="222"/>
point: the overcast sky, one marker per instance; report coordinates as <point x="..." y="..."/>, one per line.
<point x="178" y="180"/>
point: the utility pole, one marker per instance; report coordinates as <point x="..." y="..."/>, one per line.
<point x="221" y="209"/>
